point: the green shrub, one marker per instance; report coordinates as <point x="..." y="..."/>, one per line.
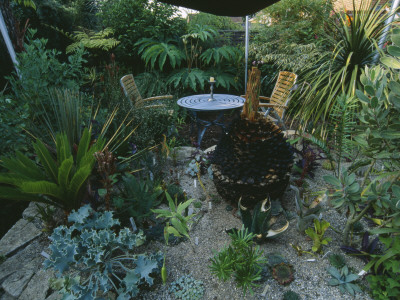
<point x="40" y="69"/>
<point x="14" y="119"/>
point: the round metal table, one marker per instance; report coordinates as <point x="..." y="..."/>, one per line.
<point x="202" y="103"/>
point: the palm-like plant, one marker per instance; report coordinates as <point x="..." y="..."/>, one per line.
<point x="340" y="71"/>
<point x="58" y="180"/>
<point x="200" y="65"/>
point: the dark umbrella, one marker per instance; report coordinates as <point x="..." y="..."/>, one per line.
<point x="233" y="8"/>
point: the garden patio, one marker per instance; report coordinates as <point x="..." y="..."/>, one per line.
<point x="107" y="193"/>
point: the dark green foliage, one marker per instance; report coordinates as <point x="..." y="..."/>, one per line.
<point x="91" y="252"/>
<point x="337" y="260"/>
<point x="132" y="20"/>
<point x="176" y="193"/>
<point x="383" y="287"/>
<point x="137" y="197"/>
<point x="14" y="118"/>
<point x="216" y="22"/>
<point x="187" y="288"/>
<point x="283" y="273"/>
<point x="60" y="180"/>
<point x="241" y="259"/>
<point x="152" y="124"/>
<point x="41" y="69"/>
<point x="290" y="295"/>
<point x="274" y="259"/>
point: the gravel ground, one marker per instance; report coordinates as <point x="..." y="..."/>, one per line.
<point x="188" y="259"/>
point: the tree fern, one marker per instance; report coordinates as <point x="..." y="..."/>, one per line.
<point x="27" y="3"/>
<point x="92" y="40"/>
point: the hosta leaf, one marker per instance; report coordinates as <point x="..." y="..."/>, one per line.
<point x="390" y="62"/>
<point x="394" y="50"/>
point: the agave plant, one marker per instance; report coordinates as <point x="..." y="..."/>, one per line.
<point x="259" y="222"/>
<point x="344" y="280"/>
<point x="58" y="181"/>
<point x="340" y="71"/>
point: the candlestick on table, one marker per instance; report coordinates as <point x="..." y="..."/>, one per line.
<point x="212" y="82"/>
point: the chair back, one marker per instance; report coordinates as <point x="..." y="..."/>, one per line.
<point x="130" y="90"/>
<point x="280" y="94"/>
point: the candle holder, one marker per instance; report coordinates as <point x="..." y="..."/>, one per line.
<point x="212" y="90"/>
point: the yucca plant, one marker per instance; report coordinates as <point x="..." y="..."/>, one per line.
<point x="340" y="71"/>
<point x="58" y="180"/>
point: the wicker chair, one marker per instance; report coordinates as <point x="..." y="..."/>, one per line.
<point x="276" y="105"/>
<point x="132" y="93"/>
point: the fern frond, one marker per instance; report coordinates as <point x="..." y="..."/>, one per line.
<point x="93" y="40"/>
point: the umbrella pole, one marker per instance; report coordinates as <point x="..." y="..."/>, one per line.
<point x="7" y="41"/>
<point x="246" y="53"/>
<point x="388" y="21"/>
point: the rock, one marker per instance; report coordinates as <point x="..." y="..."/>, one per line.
<point x="183" y="153"/>
<point x="6" y="296"/>
<point x="16" y="283"/>
<point x="21" y="261"/>
<point x="20" y="235"/>
<point x="38" y="286"/>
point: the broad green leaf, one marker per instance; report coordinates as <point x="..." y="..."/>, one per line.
<point x="332" y="180"/>
<point x="394" y="50"/>
<point x="183" y="206"/>
<point x="390" y="62"/>
<point x="390" y="134"/>
<point x="172" y="230"/>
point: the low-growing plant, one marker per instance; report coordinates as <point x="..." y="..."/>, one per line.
<point x="283" y="273"/>
<point x="241" y="259"/>
<point x="187" y="288"/>
<point x="93" y="259"/>
<point x="344" y="280"/>
<point x="136" y="198"/>
<point x="177" y="224"/>
<point x="337" y="260"/>
<point x="290" y="295"/>
<point x="258" y="222"/>
<point x="59" y="180"/>
<point x="367" y="248"/>
<point x="317" y="235"/>
<point x="305" y="213"/>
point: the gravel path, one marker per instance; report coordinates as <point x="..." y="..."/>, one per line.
<point x="188" y="259"/>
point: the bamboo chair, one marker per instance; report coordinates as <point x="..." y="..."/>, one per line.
<point x="132" y="93"/>
<point x="275" y="106"/>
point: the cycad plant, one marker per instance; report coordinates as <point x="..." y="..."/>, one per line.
<point x="340" y="71"/>
<point x="58" y="180"/>
<point x="253" y="159"/>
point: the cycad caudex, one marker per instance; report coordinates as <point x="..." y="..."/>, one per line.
<point x="253" y="159"/>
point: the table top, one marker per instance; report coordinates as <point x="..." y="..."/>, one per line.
<point x="201" y="103"/>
